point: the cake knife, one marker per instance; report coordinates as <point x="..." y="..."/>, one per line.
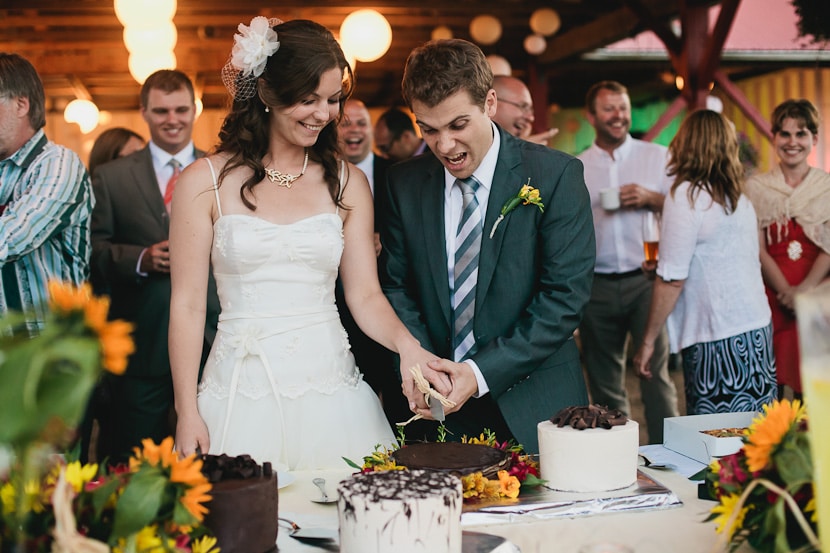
<point x="324" y="534"/>
<point x="436" y="409"/>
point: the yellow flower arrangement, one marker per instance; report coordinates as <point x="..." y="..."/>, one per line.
<point x="765" y="491"/>
<point x="527" y="196"/>
<point x="157" y="504"/>
<point x="522" y="469"/>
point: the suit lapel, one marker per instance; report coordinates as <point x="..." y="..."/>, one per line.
<point x="147" y="184"/>
<point x="435" y="243"/>
<point x="506" y="183"/>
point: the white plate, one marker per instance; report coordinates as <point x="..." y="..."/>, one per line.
<point x="285" y="479"/>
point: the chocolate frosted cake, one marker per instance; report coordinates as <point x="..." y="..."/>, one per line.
<point x="405" y="511"/>
<point x="453" y="457"/>
<point x="243" y="508"/>
<point x="588" y="449"/>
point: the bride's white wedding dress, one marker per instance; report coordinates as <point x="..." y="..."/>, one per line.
<point x="281" y="383"/>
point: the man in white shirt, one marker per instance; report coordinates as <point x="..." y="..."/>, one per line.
<point x="621" y="292"/>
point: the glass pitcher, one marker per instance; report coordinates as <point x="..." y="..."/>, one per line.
<point x="813" y="315"/>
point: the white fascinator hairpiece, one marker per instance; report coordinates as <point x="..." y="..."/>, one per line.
<point x="252" y="46"/>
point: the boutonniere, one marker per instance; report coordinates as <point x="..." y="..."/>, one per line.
<point x="527" y="195"/>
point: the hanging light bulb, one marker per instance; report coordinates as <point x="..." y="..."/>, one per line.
<point x="366" y="34"/>
<point x="535" y="44"/>
<point x="161" y="36"/>
<point x="142" y="64"/>
<point x="499" y="65"/>
<point x="136" y="12"/>
<point x="485" y="29"/>
<point x="545" y="21"/>
<point x="82" y="112"/>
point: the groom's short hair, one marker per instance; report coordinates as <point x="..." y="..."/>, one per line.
<point x="440" y="68"/>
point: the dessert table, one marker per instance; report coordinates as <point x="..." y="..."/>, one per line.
<point x="678" y="529"/>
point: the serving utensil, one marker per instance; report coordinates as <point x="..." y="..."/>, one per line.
<point x="324" y="497"/>
<point x="321" y="534"/>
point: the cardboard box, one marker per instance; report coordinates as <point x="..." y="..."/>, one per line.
<point x="683" y="434"/>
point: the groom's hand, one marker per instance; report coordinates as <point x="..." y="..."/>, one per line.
<point x="463" y="379"/>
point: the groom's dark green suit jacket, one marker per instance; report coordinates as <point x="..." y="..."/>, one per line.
<point x="534" y="278"/>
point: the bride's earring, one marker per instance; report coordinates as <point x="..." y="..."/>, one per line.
<point x="267" y="109"/>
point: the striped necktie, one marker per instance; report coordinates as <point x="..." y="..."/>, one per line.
<point x="465" y="270"/>
<point x="171" y="182"/>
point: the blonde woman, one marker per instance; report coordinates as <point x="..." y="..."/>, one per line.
<point x="709" y="291"/>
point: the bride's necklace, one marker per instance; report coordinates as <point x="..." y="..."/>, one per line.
<point x="284" y="179"/>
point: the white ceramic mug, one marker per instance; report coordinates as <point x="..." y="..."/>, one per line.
<point x="609" y="198"/>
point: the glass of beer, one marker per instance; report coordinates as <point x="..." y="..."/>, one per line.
<point x="813" y="316"/>
<point x="651" y="235"/>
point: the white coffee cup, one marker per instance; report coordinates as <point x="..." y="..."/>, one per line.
<point x="609" y="198"/>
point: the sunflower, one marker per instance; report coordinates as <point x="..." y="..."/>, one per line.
<point x="768" y="429"/>
<point x="195" y="498"/>
<point x="114" y="336"/>
<point x="78" y="475"/>
<point x="724" y="510"/>
<point x="205" y="544"/>
<point x="66" y="298"/>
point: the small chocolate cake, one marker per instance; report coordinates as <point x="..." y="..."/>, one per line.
<point x="243" y="508"/>
<point x="453" y="457"/>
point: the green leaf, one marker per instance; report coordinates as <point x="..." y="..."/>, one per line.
<point x="352" y="464"/>
<point x="510" y="205"/>
<point x="182" y="516"/>
<point x="533" y="480"/>
<point x="140" y="502"/>
<point x="102" y="494"/>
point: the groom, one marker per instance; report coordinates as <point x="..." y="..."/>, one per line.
<point x="500" y="305"/>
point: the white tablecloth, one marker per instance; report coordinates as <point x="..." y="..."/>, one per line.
<point x="678" y="530"/>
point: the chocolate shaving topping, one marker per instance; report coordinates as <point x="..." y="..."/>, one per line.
<point x="589" y="416"/>
<point x="224" y="467"/>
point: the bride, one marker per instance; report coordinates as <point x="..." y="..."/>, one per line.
<point x="277" y="214"/>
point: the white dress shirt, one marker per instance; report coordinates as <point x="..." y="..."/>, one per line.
<point x="367" y="165"/>
<point x="452" y="215"/>
<point x="161" y="162"/>
<point x="619" y="232"/>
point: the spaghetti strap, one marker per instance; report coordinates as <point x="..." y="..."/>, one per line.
<point x="342" y="186"/>
<point x="215" y="186"/>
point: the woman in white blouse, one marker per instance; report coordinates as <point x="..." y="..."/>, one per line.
<point x="709" y="290"/>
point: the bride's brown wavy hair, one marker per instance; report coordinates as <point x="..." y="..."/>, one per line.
<point x="307" y="50"/>
<point x="705" y="153"/>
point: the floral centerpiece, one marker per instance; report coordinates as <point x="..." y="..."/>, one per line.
<point x="156" y="504"/>
<point x="521" y="471"/>
<point x="765" y="491"/>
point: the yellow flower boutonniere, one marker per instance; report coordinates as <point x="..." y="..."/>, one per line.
<point x="527" y="195"/>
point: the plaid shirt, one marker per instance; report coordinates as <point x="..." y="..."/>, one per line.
<point x="44" y="229"/>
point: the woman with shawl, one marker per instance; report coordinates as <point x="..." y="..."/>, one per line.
<point x="793" y="206"/>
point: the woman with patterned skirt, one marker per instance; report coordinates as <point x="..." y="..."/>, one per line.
<point x="793" y="206"/>
<point x="709" y="291"/>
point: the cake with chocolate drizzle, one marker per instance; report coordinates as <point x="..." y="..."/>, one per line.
<point x="588" y="449"/>
<point x="405" y="511"/>
<point x="243" y="509"/>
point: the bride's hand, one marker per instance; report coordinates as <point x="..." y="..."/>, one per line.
<point x="420" y="357"/>
<point x="191" y="435"/>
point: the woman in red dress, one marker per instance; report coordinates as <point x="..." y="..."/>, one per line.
<point x="793" y="206"/>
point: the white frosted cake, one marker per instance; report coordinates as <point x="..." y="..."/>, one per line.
<point x="404" y="511"/>
<point x="588" y="449"/>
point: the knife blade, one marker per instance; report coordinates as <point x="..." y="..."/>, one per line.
<point x="436" y="409"/>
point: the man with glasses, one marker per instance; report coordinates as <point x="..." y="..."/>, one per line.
<point x="514" y="112"/>
<point x="396" y="137"/>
